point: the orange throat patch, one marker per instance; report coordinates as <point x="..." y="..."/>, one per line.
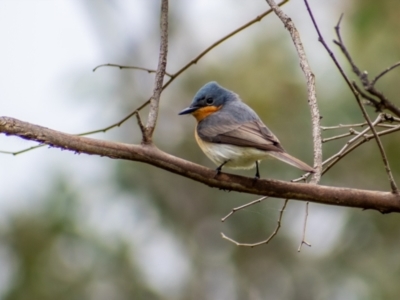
<point x="204" y="112"/>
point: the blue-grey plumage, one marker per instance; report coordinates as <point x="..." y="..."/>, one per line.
<point x="231" y="134"/>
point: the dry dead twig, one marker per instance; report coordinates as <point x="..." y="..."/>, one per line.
<point x="273" y="234"/>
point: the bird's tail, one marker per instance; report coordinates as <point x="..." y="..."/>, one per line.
<point x="287" y="158"/>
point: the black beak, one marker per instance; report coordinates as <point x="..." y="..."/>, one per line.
<point x="188" y="110"/>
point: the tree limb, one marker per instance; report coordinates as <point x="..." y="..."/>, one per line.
<point x="384" y="202"/>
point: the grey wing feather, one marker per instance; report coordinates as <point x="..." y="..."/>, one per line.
<point x="224" y="128"/>
<point x="245" y="130"/>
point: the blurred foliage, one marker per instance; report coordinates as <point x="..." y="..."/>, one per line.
<point x="55" y="258"/>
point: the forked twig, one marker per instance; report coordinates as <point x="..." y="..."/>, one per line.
<point x="352" y="131"/>
<point x="235" y="209"/>
<point x="368" y="85"/>
<point x="273" y="234"/>
<point x="303" y="239"/>
<point x="22" y="151"/>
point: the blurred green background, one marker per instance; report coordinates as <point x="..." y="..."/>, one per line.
<point x="92" y="228"/>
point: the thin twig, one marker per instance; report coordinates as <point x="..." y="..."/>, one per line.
<point x="22" y="151"/>
<point x="355" y="93"/>
<point x="140" y="124"/>
<point x="303" y="239"/>
<point x="384" y="72"/>
<point x="383" y="117"/>
<point x="352" y="147"/>
<point x="354" y="139"/>
<point x="121" y="67"/>
<point x="340" y="126"/>
<point x="235" y="209"/>
<point x="340" y="136"/>
<point x="273" y="234"/>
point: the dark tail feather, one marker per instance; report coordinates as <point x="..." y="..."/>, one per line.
<point x="287" y="158"/>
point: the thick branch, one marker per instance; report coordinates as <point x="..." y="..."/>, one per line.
<point x="384" y="202"/>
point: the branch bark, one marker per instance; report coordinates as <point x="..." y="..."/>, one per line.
<point x="159" y="78"/>
<point x="384" y="202"/>
<point x="312" y="95"/>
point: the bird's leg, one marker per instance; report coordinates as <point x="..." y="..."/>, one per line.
<point x="219" y="171"/>
<point x="257" y="171"/>
<point x="220" y="167"/>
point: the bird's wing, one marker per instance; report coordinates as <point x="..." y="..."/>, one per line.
<point x="248" y="134"/>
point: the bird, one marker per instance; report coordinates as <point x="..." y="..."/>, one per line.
<point x="231" y="134"/>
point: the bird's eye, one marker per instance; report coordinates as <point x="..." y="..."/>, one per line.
<point x="209" y="101"/>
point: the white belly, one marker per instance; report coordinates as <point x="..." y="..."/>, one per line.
<point x="236" y="157"/>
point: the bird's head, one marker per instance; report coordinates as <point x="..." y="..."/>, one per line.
<point x="209" y="99"/>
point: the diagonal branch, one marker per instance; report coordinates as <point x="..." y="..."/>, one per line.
<point x="384" y="202"/>
<point x="158" y="81"/>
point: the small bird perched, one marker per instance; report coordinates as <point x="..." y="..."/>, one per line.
<point x="231" y="134"/>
